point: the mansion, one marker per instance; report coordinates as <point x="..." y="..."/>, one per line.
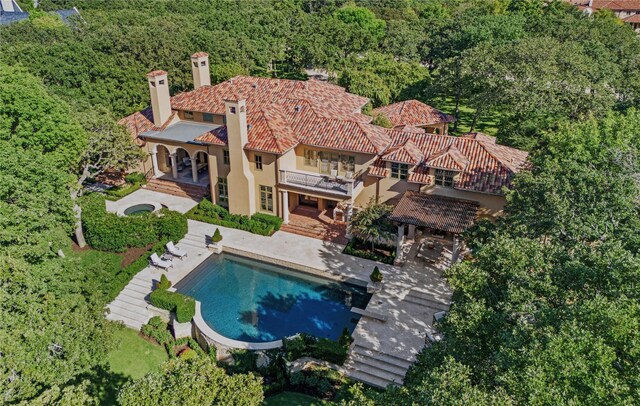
<point x="261" y="145"/>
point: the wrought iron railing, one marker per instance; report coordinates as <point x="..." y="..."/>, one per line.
<point x="331" y="184"/>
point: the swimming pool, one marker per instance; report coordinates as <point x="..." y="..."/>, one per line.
<point x="252" y="301"/>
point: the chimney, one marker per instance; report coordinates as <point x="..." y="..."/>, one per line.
<point x="160" y="99"/>
<point x="200" y="68"/>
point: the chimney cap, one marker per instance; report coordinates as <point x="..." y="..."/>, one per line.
<point x="199" y="55"/>
<point x="234" y="97"/>
<point x="155" y="73"/>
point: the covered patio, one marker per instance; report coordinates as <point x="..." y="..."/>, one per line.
<point x="432" y="221"/>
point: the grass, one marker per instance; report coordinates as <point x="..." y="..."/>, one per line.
<point x="487" y="123"/>
<point x="294" y="399"/>
<point x="135" y="356"/>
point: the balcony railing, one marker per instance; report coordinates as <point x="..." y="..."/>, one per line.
<point x="329" y="184"/>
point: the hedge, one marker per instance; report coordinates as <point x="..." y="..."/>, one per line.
<point x="351" y="249"/>
<point x="109" y="232"/>
<point x="262" y="224"/>
<point x="119" y="192"/>
<point x="183" y="306"/>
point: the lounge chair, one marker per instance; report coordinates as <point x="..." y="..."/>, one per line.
<point x="160" y="263"/>
<point x="175" y="251"/>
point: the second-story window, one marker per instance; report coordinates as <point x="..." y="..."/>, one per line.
<point x="259" y="162"/>
<point x="225" y="156"/>
<point x="188" y="115"/>
<point x="399" y="171"/>
<point x="444" y="178"/>
<point x="310" y="157"/>
<point x="348" y="163"/>
<point x="208" y="117"/>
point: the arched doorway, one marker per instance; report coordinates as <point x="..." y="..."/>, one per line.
<point x="163" y="160"/>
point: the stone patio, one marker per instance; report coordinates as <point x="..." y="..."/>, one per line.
<point x="382" y="350"/>
<point x="176" y="203"/>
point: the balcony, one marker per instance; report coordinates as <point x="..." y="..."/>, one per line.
<point x="342" y="186"/>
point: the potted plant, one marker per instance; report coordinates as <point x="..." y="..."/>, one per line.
<point x="376" y="281"/>
<point x="215" y="245"/>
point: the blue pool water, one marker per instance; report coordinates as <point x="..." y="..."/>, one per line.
<point x="252" y="301"/>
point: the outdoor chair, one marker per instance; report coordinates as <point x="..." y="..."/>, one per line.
<point x="186" y="161"/>
<point x="160" y="263"/>
<point x="175" y="251"/>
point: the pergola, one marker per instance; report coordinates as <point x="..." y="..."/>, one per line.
<point x="434" y="212"/>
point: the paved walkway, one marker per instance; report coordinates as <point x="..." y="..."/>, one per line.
<point x="140" y="196"/>
<point x="382" y="349"/>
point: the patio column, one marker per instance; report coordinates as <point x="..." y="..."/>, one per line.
<point x="455" y="249"/>
<point x="412" y="232"/>
<point x="154" y="163"/>
<point x="194" y="169"/>
<point x="174" y="165"/>
<point x="400" y="240"/>
<point x="285" y="207"/>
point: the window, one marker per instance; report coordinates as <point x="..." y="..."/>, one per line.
<point x="259" y="162"/>
<point x="153" y="84"/>
<point x="232" y="110"/>
<point x="208" y="117"/>
<point x="348" y="163"/>
<point x="310" y="158"/>
<point x="223" y="192"/>
<point x="225" y="156"/>
<point x="161" y="82"/>
<point x="444" y="178"/>
<point x="399" y="171"/>
<point x="266" y="198"/>
<point x="188" y="115"/>
<point x="203" y="63"/>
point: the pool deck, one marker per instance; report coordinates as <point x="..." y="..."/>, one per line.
<point x="382" y="349"/>
<point x="141" y="196"/>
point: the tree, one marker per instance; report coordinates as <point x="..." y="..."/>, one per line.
<point x="197" y="381"/>
<point x="372" y="224"/>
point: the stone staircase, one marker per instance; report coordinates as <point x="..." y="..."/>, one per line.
<point x="426" y="300"/>
<point x="375" y="368"/>
<point x="177" y="189"/>
<point x="130" y="306"/>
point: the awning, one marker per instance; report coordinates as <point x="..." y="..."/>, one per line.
<point x="435" y="212"/>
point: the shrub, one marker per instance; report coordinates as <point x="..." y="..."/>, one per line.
<point x="217" y="237"/>
<point x="305" y="345"/>
<point x="262" y="224"/>
<point x="183" y="306"/>
<point x="164" y="283"/>
<point x="119" y="192"/>
<point x="345" y="339"/>
<point x="136" y="177"/>
<point x="351" y="249"/>
<point x="157" y="329"/>
<point x="275" y="221"/>
<point x="244" y="361"/>
<point x="376" y="275"/>
<point x="109" y="232"/>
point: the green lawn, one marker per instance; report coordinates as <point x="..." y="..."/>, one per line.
<point x="487" y="123"/>
<point x="135" y="356"/>
<point x="294" y="399"/>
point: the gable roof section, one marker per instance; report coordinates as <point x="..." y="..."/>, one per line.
<point x="406" y="153"/>
<point x="449" y="158"/>
<point x="413" y="113"/>
<point x="489" y="167"/>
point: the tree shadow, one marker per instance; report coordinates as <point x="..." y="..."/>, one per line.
<point x="104" y="384"/>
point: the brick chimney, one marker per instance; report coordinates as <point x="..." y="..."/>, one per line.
<point x="200" y="68"/>
<point x="160" y="99"/>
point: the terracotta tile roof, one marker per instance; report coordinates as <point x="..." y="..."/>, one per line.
<point x="270" y="131"/>
<point x="379" y="169"/>
<point x="435" y="212"/>
<point x="448" y="158"/>
<point x="413" y="113"/>
<point x="410" y="129"/>
<point x="622" y="5"/>
<point x="406" y="153"/>
<point x="490" y="166"/>
<point x="632" y="19"/>
<point x="155" y="73"/>
<point x="215" y="137"/>
<point x="199" y="55"/>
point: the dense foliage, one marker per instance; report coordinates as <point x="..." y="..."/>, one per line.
<point x="195" y="381"/>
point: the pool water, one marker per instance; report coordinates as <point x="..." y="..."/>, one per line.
<point x="253" y="301"/>
<point x="139" y="209"/>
